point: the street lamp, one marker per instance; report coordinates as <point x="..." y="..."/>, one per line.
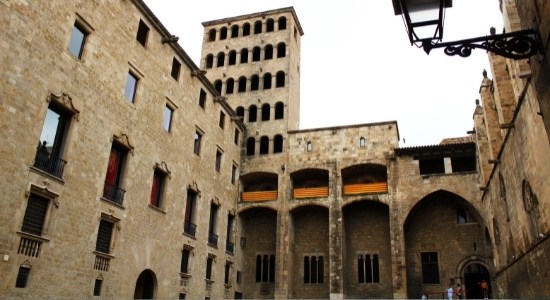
<point x="424" y="23"/>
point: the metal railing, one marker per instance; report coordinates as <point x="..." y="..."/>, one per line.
<point x="212" y="239"/>
<point x="229" y="247"/>
<point x="189" y="228"/>
<point x="50" y="165"/>
<point x="113" y="193"/>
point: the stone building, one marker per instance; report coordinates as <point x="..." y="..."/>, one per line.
<point x="132" y="172"/>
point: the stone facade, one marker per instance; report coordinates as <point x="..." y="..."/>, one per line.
<point x="202" y="185"/>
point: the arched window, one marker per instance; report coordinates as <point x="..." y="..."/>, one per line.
<point x="246" y="29"/>
<point x="265" y="112"/>
<point x="209" y="61"/>
<point x="244" y="56"/>
<point x="279" y="110"/>
<point x="278" y="144"/>
<point x="218" y="86"/>
<point x="221" y="59"/>
<point x="234" y="31"/>
<point x="362" y="142"/>
<point x="223" y="33"/>
<point x="368" y="268"/>
<point x="256" y="54"/>
<point x="252" y="112"/>
<point x="240" y="112"/>
<point x="270" y="25"/>
<point x="313" y="269"/>
<point x="461" y="216"/>
<point x="229" y="85"/>
<point x="282" y="23"/>
<point x="309" y="146"/>
<point x="212" y="35"/>
<point x="257" y="27"/>
<point x="242" y="84"/>
<point x="254" y="82"/>
<point x="268" y="52"/>
<point x="264" y="145"/>
<point x="250" y="145"/>
<point x="267" y="81"/>
<point x="281" y="50"/>
<point x="265" y="268"/>
<point x="280" y="82"/>
<point x="232" y="57"/>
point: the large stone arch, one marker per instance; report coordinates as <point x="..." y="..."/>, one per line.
<point x="367" y="255"/>
<point x="146" y="285"/>
<point x="441" y="230"/>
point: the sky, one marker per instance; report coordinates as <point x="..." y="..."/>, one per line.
<point x="358" y="66"/>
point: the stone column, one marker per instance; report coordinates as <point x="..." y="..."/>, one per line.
<point x="336" y="230"/>
<point x="283" y="255"/>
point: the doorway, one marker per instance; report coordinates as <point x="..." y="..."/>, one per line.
<point x="146" y="285"/>
<point x="474" y="275"/>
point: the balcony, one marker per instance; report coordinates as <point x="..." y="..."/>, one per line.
<point x="113" y="193"/>
<point x="259" y="196"/>
<point x="102" y="262"/>
<point x="212" y="239"/>
<point x="189" y="228"/>
<point x="229" y="247"/>
<point x="29" y="246"/>
<point x="50" y="165"/>
<point x="365" y="188"/>
<point x="313" y="192"/>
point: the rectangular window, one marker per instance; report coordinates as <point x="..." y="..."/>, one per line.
<point x="233" y="174"/>
<point x="35" y="215"/>
<point x="97" y="287"/>
<point x="176" y="66"/>
<point x="239" y="276"/>
<point x="227" y="272"/>
<point x="265" y="268"/>
<point x="131" y="87"/>
<point x="197" y="143"/>
<point x="104" y="235"/>
<point x="167" y="121"/>
<point x="218" y="160"/>
<point x="113" y="179"/>
<point x="182" y="296"/>
<point x="188" y="226"/>
<point x="185" y="254"/>
<point x="202" y="99"/>
<point x="222" y="120"/>
<point x="22" y="277"/>
<point x="52" y="140"/>
<point x="229" y="244"/>
<point x="209" y="262"/>
<point x="313" y="269"/>
<point x="430" y="267"/>
<point x="78" y="39"/>
<point x="159" y="178"/>
<point x="236" y="137"/>
<point x="142" y="33"/>
<point x="212" y="236"/>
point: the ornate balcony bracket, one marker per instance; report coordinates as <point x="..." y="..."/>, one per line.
<point x="514" y="45"/>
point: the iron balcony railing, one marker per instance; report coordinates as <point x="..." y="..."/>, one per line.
<point x="113" y="193"/>
<point x="229" y="247"/>
<point x="50" y="165"/>
<point x="189" y="228"/>
<point x="212" y="239"/>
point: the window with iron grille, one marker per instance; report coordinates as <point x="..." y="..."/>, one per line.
<point x="430" y="267"/>
<point x="52" y="140"/>
<point x="97" y="287"/>
<point x="35" y="214"/>
<point x="104" y="235"/>
<point x="368" y="268"/>
<point x="22" y="277"/>
<point x="313" y="269"/>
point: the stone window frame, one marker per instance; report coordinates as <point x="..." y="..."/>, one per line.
<point x="361" y="255"/>
<point x="23" y="275"/>
<point x="109" y="217"/>
<point x="53" y="197"/>
<point x="161" y="170"/>
<point x="320" y="276"/>
<point x="83" y="26"/>
<point x="142" y="33"/>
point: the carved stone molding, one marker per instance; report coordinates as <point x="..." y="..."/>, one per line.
<point x="162" y="166"/>
<point x="66" y="101"/>
<point x="194" y="187"/>
<point x="124" y="140"/>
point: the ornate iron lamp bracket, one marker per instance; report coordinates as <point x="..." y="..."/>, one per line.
<point x="515" y="45"/>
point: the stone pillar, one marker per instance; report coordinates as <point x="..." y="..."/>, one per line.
<point x="482" y="144"/>
<point x="283" y="253"/>
<point x="492" y="125"/>
<point x="336" y="236"/>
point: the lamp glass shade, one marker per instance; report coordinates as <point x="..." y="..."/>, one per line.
<point x="424" y="16"/>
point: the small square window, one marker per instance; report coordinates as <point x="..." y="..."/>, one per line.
<point x="97" y="287"/>
<point x="167" y="122"/>
<point x="218" y="160"/>
<point x="131" y="87"/>
<point x="197" y="143"/>
<point x="143" y="32"/>
<point x="222" y="120"/>
<point x="176" y="66"/>
<point x="78" y="39"/>
<point x="22" y="277"/>
<point x="202" y="99"/>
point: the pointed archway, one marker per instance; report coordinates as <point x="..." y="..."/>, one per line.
<point x="474" y="275"/>
<point x="146" y="285"/>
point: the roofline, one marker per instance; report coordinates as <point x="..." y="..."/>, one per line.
<point x="346" y="127"/>
<point x="289" y="9"/>
<point x="415" y="150"/>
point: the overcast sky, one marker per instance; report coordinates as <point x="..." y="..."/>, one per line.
<point x="357" y="65"/>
